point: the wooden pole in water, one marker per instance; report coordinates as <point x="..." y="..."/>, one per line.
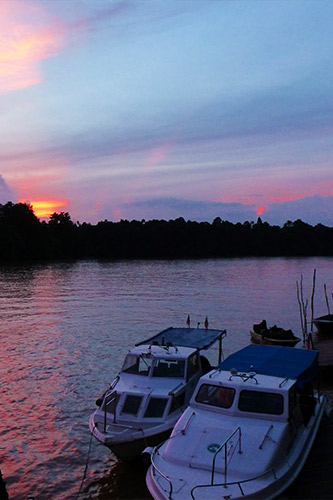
<point x="327" y="303"/>
<point x="300" y="309"/>
<point x="312" y="296"/>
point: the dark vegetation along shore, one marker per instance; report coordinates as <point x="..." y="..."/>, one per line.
<point x="24" y="237"/>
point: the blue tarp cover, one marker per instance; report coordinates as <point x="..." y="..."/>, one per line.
<point x="198" y="338"/>
<point x="290" y="362"/>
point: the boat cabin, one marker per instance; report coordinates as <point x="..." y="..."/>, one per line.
<point x="154" y="382"/>
<point x="249" y="395"/>
<point x="162" y="361"/>
<point x="265" y="393"/>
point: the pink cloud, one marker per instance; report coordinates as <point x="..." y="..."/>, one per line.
<point x="27" y="37"/>
<point x="260" y="210"/>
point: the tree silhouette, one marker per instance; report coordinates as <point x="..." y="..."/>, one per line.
<point x="24" y="237"/>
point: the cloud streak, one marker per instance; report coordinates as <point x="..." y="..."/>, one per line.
<point x="311" y="209"/>
<point x="24" y="45"/>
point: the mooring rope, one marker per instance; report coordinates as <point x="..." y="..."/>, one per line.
<point x="86" y="467"/>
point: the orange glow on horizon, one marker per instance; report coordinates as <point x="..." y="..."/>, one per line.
<point x="45" y="209"/>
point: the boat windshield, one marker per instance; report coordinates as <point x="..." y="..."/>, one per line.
<point x="215" y="395"/>
<point x="173" y="368"/>
<point x="138" y="365"/>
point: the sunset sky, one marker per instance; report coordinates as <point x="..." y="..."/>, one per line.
<point x="158" y="109"/>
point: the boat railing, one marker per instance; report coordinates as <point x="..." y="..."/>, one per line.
<point x="156" y="470"/>
<point x="108" y="400"/>
<point x="125" y="427"/>
<point x="226" y="452"/>
<point x="114" y="382"/>
<point x="238" y="483"/>
<point x="174" y="392"/>
<point x="187" y="423"/>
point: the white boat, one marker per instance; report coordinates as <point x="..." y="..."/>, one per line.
<point x="247" y="431"/>
<point x="152" y="390"/>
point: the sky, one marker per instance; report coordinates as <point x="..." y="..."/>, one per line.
<point x="158" y="109"/>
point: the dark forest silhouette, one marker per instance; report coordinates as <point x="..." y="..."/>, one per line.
<point x="25" y="237"/>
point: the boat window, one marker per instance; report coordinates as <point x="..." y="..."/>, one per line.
<point x="169" y="368"/>
<point x="156" y="407"/>
<point x="192" y="365"/>
<point x="177" y="402"/>
<point x="132" y="405"/>
<point x="261" y="402"/>
<point x="138" y="365"/>
<point x="215" y="395"/>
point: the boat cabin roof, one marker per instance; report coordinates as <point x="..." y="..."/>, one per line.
<point x="158" y="351"/>
<point x="278" y="361"/>
<point x="198" y="338"/>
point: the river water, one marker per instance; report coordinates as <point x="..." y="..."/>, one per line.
<point x="65" y="328"/>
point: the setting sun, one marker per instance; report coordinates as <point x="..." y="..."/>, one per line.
<point x="46" y="208"/>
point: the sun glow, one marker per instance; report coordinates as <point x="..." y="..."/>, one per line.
<point x="45" y="209"/>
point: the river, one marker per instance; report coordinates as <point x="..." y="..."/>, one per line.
<point x="65" y="328"/>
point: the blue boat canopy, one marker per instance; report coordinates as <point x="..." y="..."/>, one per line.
<point x="280" y="361"/>
<point x="198" y="338"/>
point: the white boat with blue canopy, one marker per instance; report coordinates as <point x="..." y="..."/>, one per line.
<point x="152" y="390"/>
<point x="247" y="431"/>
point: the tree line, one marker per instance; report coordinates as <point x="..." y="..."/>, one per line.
<point x="24" y="237"/>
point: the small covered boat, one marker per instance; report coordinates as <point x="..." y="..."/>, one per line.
<point x="247" y="432"/>
<point x="152" y="390"/>
<point x="274" y="335"/>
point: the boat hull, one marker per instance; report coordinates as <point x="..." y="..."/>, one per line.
<point x="131" y="448"/>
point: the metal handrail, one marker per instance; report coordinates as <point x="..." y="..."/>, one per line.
<point x="156" y="469"/>
<point x="224" y="445"/>
<point x="106" y="404"/>
<point x="238" y="483"/>
<point x="266" y="436"/>
<point x="115" y="424"/>
<point x="155" y="452"/>
<point x="187" y="423"/>
<point x="177" y="389"/>
<point x="114" y="382"/>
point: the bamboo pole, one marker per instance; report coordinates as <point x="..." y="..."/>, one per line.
<point x="327" y="303"/>
<point x="312" y="296"/>
<point x="300" y="309"/>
